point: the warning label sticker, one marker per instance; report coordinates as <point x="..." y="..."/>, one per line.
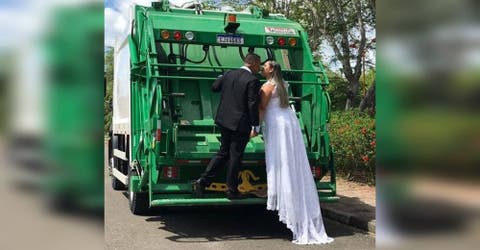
<point x="280" y="31"/>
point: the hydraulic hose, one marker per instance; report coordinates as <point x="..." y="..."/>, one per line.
<point x="215" y="56"/>
<point x="205" y="50"/>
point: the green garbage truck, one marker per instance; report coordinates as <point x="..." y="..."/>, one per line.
<point x="163" y="131"/>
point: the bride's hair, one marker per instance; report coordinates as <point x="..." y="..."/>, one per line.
<point x="280" y="83"/>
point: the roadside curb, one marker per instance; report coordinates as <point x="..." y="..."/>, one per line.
<point x="349" y="219"/>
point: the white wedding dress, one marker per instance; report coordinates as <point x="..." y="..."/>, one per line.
<point x="291" y="188"/>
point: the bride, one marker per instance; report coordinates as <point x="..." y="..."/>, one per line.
<point x="291" y="188"/>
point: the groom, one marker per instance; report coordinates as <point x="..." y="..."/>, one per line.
<point x="236" y="114"/>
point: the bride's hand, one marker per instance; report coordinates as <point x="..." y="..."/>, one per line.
<point x="252" y="133"/>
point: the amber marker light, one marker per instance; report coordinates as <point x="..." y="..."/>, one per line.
<point x="292" y="41"/>
<point x="232" y="18"/>
<point x="165" y="34"/>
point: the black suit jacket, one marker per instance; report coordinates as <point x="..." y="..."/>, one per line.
<point x="238" y="107"/>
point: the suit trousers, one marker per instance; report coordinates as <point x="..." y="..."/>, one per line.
<point x="232" y="146"/>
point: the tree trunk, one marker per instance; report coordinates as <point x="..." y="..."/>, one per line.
<point x="348" y="104"/>
<point x="369" y="99"/>
<point x="352" y="93"/>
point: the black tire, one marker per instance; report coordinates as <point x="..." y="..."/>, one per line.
<point x="138" y="201"/>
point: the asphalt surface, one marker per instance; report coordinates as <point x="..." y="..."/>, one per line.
<point x="30" y="220"/>
<point x="207" y="227"/>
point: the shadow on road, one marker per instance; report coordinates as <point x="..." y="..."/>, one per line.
<point x="226" y="223"/>
<point x="361" y="212"/>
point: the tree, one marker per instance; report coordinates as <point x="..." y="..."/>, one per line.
<point x="107" y="104"/>
<point x="286" y="7"/>
<point x="369" y="101"/>
<point x="343" y="24"/>
<point x="237" y="5"/>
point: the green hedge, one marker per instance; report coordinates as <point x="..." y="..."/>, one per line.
<point x="352" y="135"/>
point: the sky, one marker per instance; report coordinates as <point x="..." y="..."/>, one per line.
<point x="117" y="16"/>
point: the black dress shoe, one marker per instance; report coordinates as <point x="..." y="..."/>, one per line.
<point x="198" y="187"/>
<point x="235" y="195"/>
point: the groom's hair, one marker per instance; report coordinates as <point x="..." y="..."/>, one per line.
<point x="251" y="58"/>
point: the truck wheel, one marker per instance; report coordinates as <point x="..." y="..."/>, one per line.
<point x="138" y="201"/>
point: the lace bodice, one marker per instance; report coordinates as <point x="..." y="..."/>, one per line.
<point x="275" y="99"/>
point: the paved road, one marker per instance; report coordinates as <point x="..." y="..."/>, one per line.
<point x="29" y="220"/>
<point x="220" y="227"/>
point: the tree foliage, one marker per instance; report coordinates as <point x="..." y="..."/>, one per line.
<point x="343" y="25"/>
<point x="353" y="137"/>
<point x="235" y="4"/>
<point x="338" y="89"/>
<point x="107" y="104"/>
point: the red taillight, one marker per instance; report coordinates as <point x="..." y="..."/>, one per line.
<point x="170" y="172"/>
<point x="281" y="41"/>
<point x="177" y="35"/>
<point x="158" y="132"/>
<point x="317" y="172"/>
<point x="158" y="135"/>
